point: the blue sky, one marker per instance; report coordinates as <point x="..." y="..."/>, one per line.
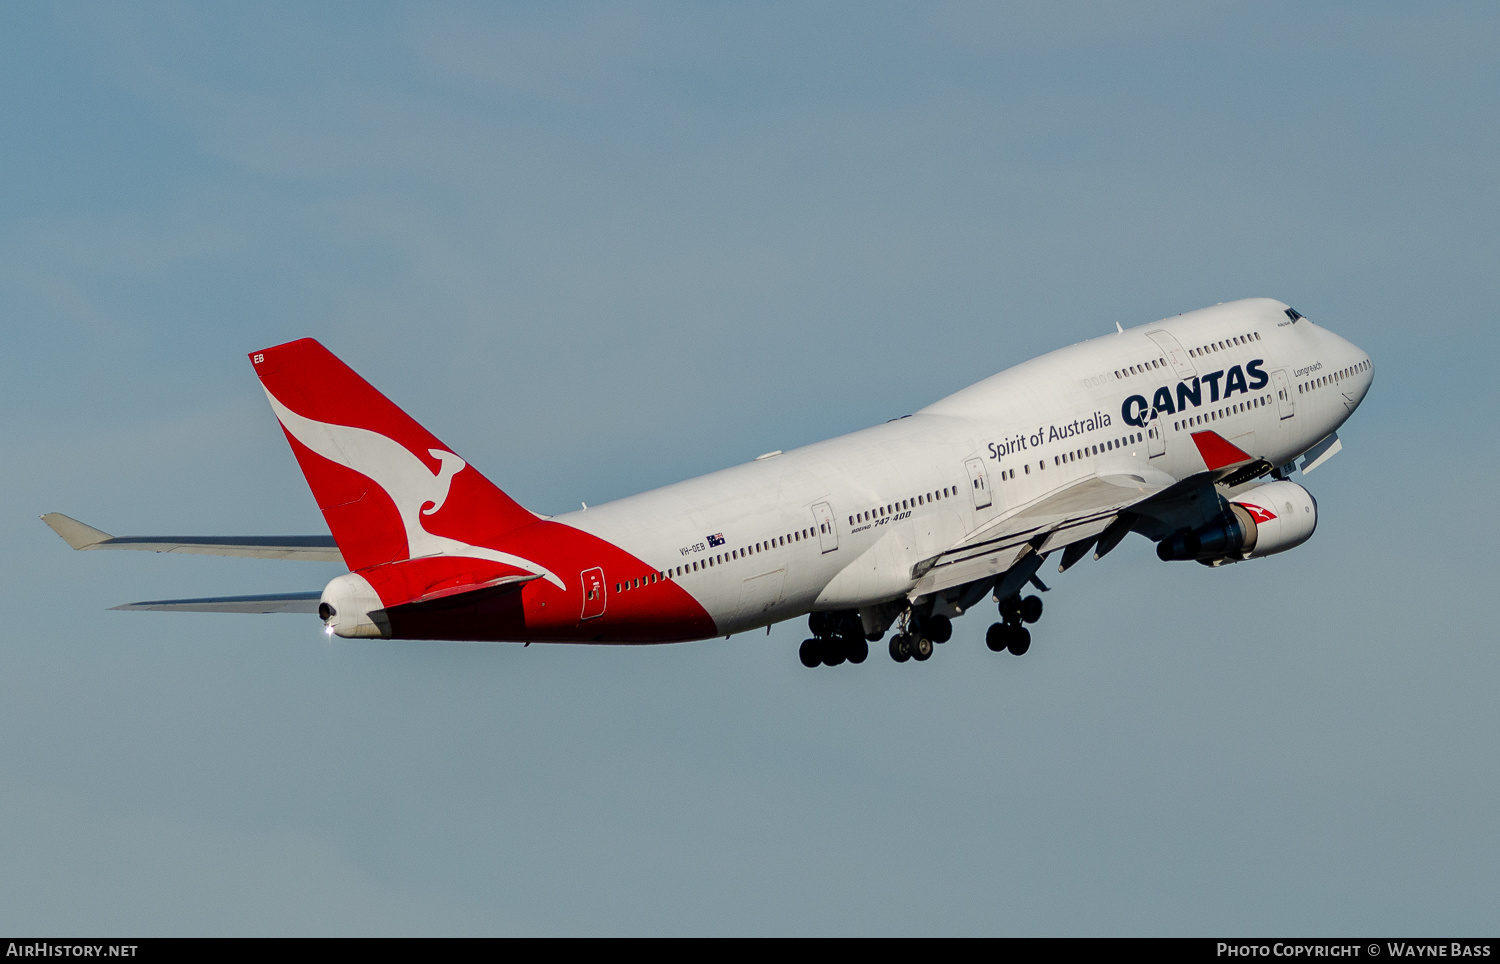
<point x="599" y="248"/>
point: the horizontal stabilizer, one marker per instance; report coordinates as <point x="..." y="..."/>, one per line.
<point x="309" y="548"/>
<point x="471" y="592"/>
<point x="276" y="602"/>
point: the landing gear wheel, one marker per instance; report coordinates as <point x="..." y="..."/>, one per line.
<point x="996" y="637"/>
<point x="833" y="651"/>
<point x="939" y="629"/>
<point x="1031" y="609"/>
<point x="1020" y="641"/>
<point x="921" y="648"/>
<point x="1010" y="609"/>
<point x="810" y="653"/>
<point x="856" y="650"/>
<point x="899" y="652"/>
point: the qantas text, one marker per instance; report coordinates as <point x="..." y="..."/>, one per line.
<point x="1138" y="411"/>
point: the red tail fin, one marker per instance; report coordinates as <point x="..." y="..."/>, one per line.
<point x="388" y="488"/>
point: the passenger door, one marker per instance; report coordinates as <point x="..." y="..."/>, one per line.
<point x="593" y="592"/>
<point x="1283" y="393"/>
<point x="1156" y="438"/>
<point x="828" y="533"/>
<point x="979" y="484"/>
<point x="1176" y="356"/>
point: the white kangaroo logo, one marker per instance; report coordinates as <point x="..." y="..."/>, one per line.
<point x="404" y="477"/>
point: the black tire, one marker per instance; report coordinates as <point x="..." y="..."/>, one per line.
<point x="857" y="651"/>
<point x="1020" y="641"/>
<point x="1010" y="610"/>
<point x="820" y="624"/>
<point x="833" y="652"/>
<point x="939" y="629"/>
<point x="810" y="652"/>
<point x="921" y="648"/>
<point x="1031" y="609"/>
<point x="899" y="652"/>
<point x="996" y="637"/>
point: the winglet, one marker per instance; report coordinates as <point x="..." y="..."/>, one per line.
<point x="75" y="533"/>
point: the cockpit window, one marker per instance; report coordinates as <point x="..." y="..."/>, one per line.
<point x="1294" y="314"/>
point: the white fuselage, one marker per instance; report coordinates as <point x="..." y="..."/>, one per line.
<point x="910" y="489"/>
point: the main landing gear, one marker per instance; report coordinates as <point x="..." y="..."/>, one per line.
<point x="917" y="639"/>
<point x="1010" y="634"/>
<point x="837" y="638"/>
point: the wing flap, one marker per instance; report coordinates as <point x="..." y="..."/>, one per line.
<point x="307" y="548"/>
<point x="1076" y="511"/>
<point x="279" y="602"/>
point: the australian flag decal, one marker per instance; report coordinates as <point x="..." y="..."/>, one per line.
<point x="717" y="539"/>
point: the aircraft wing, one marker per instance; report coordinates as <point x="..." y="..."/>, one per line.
<point x="310" y="548"/>
<point x="1079" y="510"/>
<point x="281" y="602"/>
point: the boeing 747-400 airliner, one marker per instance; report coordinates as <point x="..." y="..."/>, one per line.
<point x="1184" y="431"/>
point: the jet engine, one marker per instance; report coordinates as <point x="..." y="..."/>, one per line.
<point x="1259" y="522"/>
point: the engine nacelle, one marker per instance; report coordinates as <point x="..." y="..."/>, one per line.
<point x="1262" y="521"/>
<point x="351" y="608"/>
<point x="1285" y="516"/>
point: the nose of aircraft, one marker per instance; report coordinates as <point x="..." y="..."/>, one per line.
<point x="1353" y="368"/>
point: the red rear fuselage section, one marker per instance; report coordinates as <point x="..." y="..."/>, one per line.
<point x="652" y="609"/>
